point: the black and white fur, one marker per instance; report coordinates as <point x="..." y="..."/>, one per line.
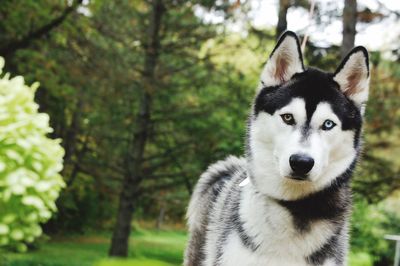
<point x="263" y="210"/>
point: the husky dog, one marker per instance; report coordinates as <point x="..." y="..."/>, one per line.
<point x="288" y="201"/>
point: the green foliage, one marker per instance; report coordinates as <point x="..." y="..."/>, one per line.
<point x="379" y="171"/>
<point x="30" y="163"/>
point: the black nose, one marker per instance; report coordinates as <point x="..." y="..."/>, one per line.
<point x="301" y="164"/>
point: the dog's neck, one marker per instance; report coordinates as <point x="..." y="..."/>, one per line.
<point x="332" y="203"/>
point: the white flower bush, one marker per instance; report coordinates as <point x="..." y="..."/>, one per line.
<point x="30" y="163"/>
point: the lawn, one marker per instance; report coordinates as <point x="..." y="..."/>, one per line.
<point x="147" y="248"/>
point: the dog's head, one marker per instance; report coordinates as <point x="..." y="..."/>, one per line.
<point x="305" y="126"/>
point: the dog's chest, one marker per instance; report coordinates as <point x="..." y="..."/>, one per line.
<point x="280" y="253"/>
<point x="272" y="228"/>
<point x="236" y="254"/>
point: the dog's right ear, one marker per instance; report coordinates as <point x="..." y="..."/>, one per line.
<point x="285" y="61"/>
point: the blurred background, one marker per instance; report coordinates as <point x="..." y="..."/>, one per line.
<point x="142" y="96"/>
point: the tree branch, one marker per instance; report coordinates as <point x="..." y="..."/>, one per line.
<point x="11" y="47"/>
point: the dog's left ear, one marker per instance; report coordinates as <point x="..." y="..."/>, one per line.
<point x="352" y="75"/>
<point x="285" y="61"/>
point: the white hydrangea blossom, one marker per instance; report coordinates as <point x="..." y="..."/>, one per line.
<point x="30" y="163"/>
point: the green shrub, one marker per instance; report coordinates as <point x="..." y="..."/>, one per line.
<point x="30" y="163"/>
<point x="360" y="259"/>
<point x="370" y="223"/>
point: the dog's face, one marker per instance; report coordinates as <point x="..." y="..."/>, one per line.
<point x="306" y="123"/>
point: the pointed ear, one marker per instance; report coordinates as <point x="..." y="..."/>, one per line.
<point x="285" y="61"/>
<point x="352" y="75"/>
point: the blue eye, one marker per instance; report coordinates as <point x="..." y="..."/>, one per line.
<point x="328" y="125"/>
<point x="288" y="119"/>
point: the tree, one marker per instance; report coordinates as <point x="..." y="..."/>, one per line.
<point x="134" y="167"/>
<point x="283" y="7"/>
<point x="349" y="26"/>
<point x="172" y="73"/>
<point x="282" y="17"/>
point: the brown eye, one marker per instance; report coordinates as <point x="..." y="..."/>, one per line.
<point x="288" y="119"/>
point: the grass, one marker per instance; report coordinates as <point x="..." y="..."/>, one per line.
<point x="147" y="248"/>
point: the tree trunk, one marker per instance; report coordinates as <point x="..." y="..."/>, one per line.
<point x="349" y="26"/>
<point x="282" y="17"/>
<point x="134" y="159"/>
<point x="71" y="135"/>
<point x="160" y="219"/>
